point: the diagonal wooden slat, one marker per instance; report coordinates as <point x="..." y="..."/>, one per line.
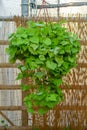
<point x="6" y="118"/>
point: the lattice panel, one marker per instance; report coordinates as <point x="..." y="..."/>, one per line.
<point x="73" y="118"/>
<point x="77" y="76"/>
<point x="79" y="28"/>
<point x="75" y="98"/>
<point x="82" y="57"/>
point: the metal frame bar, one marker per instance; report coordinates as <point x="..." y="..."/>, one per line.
<point x="24" y="7"/>
<point x="62" y="5"/>
<point x="58" y="9"/>
<point x="58" y="5"/>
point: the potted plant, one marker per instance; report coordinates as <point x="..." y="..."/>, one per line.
<point x="47" y="52"/>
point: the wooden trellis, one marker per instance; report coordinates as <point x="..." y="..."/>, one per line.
<point x="73" y="111"/>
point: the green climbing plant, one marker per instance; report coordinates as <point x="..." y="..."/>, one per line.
<point x="47" y="52"/>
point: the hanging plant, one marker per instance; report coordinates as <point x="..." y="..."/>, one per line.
<point x="47" y="52"/>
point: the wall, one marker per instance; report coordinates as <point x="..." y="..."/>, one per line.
<point x="10" y="7"/>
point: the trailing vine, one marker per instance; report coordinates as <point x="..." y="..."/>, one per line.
<point x="47" y="54"/>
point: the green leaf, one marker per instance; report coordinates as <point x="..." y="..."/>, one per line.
<point x="30" y="110"/>
<point x="28" y="104"/>
<point x="39" y="75"/>
<point x="27" y="98"/>
<point x="19" y="76"/>
<point x="64" y="43"/>
<point x="42" y="57"/>
<point x="39" y="24"/>
<point x="47" y="41"/>
<point x="71" y="59"/>
<point x="59" y="60"/>
<point x="51" y="54"/>
<point x="65" y="65"/>
<point x="40" y="93"/>
<point x="23" y="68"/>
<point x="42" y="102"/>
<point x="31" y="50"/>
<point x="74" y="50"/>
<point x="34" y="46"/>
<point x="24" y="87"/>
<point x="11" y="36"/>
<point x="11" y="52"/>
<point x="2" y="121"/>
<point x="32" y="65"/>
<point x="67" y="48"/>
<point x="34" y="40"/>
<point x="31" y="23"/>
<point x="42" y="111"/>
<point x="59" y="91"/>
<point x="36" y="103"/>
<point x="24" y="35"/>
<point x="56" y="50"/>
<point x="24" y="48"/>
<point x="31" y="32"/>
<point x="41" y="97"/>
<point x="51" y="97"/>
<point x="51" y="65"/>
<point x="7" y="50"/>
<point x="21" y="30"/>
<point x="56" y="81"/>
<point x="39" y="62"/>
<point x="61" y="51"/>
<point x="11" y="60"/>
<point x="51" y="104"/>
<point x="42" y="51"/>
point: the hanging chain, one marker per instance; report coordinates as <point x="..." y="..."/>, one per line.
<point x="45" y="12"/>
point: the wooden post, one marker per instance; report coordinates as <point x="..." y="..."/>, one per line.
<point x="24" y="112"/>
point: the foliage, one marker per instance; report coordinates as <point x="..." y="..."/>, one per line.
<point x="3" y="124"/>
<point x="35" y="128"/>
<point x="67" y="128"/>
<point x="48" y="52"/>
